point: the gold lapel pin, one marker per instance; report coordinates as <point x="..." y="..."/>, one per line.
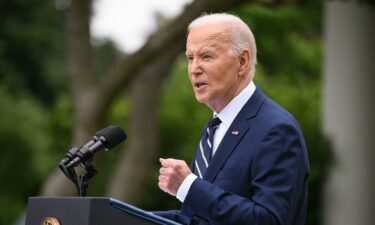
<point x="235" y="132"/>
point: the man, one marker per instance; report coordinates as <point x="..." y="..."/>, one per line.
<point x="254" y="168"/>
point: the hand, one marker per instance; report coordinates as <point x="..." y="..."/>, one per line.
<point x="172" y="174"/>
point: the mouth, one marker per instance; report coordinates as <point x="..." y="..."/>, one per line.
<point x="199" y="85"/>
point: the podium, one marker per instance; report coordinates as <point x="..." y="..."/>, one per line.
<point x="87" y="211"/>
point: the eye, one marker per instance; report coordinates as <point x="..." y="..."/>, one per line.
<point x="189" y="58"/>
<point x="206" y="56"/>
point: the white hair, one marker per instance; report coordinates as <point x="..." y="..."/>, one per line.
<point x="241" y="36"/>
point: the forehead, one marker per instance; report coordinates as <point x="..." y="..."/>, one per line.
<point x="207" y="35"/>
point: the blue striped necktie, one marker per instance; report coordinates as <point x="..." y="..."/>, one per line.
<point x="204" y="153"/>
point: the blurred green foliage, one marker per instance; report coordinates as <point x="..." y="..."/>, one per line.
<point x="31" y="48"/>
<point x="24" y="154"/>
<point x="37" y="113"/>
<point x="32" y="76"/>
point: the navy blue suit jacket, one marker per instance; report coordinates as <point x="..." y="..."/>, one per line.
<point x="258" y="174"/>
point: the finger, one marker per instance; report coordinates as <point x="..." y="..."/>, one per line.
<point x="166" y="171"/>
<point x="164" y="162"/>
<point x="161" y="178"/>
<point x="167" y="162"/>
<point x="162" y="186"/>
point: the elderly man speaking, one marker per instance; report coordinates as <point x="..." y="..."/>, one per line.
<point x="251" y="164"/>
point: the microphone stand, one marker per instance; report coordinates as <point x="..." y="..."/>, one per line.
<point x="82" y="183"/>
<point x="85" y="177"/>
<point x="70" y="173"/>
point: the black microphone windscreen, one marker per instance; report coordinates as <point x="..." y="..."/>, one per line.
<point x="103" y="131"/>
<point x="113" y="135"/>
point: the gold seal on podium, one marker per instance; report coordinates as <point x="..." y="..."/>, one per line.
<point x="50" y="221"/>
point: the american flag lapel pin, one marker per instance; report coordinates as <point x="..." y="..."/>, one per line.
<point x="235" y="132"/>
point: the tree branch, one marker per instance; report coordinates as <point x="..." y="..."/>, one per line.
<point x="126" y="67"/>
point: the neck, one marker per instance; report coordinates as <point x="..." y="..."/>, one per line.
<point x="222" y="104"/>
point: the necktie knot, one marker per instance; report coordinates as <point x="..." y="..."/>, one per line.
<point x="214" y="122"/>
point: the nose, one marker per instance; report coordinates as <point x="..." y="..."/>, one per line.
<point x="195" y="67"/>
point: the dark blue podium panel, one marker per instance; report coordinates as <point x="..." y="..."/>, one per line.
<point x="89" y="211"/>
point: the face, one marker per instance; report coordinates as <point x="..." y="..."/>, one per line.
<point x="216" y="74"/>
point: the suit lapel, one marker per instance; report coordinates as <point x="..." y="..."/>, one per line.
<point x="235" y="133"/>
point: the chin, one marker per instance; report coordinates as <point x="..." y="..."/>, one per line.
<point x="200" y="99"/>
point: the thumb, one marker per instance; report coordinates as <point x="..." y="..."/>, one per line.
<point x="167" y="162"/>
<point x="161" y="160"/>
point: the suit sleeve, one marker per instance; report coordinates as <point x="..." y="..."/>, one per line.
<point x="174" y="215"/>
<point x="277" y="177"/>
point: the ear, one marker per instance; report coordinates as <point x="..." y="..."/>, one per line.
<point x="244" y="62"/>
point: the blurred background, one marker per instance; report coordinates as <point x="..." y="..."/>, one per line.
<point x="68" y="68"/>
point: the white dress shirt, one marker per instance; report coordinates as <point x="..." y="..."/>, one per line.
<point x="227" y="115"/>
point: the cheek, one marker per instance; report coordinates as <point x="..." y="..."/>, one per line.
<point x="224" y="76"/>
<point x="188" y="70"/>
<point x="226" y="83"/>
<point x="189" y="77"/>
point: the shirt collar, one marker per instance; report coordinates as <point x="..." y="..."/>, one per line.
<point x="230" y="111"/>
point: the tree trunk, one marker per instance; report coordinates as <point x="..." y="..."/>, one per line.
<point x="88" y="99"/>
<point x="82" y="88"/>
<point x="348" y="112"/>
<point x="134" y="165"/>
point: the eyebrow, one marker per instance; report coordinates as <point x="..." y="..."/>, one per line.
<point x="201" y="52"/>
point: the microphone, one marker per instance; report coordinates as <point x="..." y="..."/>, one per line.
<point x="105" y="139"/>
<point x="72" y="153"/>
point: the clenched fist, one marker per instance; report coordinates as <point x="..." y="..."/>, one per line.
<point x="172" y="174"/>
